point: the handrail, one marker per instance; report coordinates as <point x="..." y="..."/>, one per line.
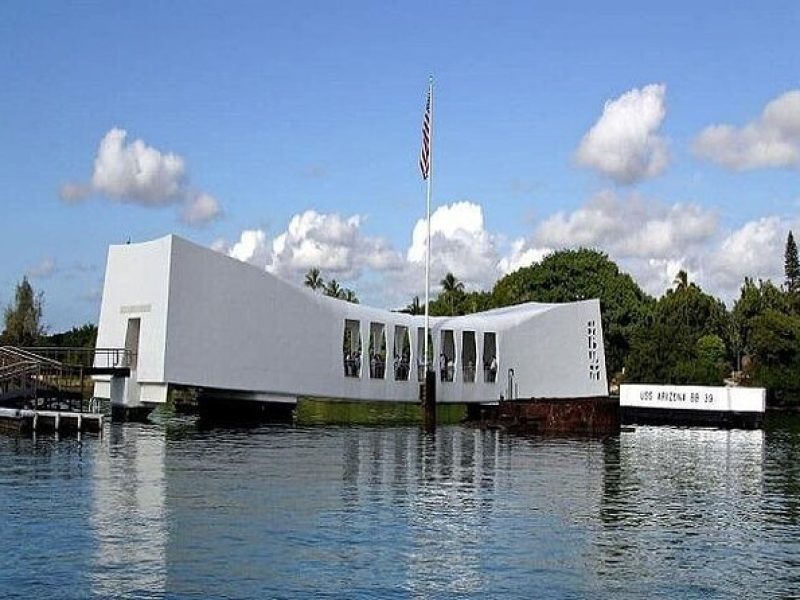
<point x="25" y="354"/>
<point x="82" y="356"/>
<point x="17" y="369"/>
<point x="52" y="376"/>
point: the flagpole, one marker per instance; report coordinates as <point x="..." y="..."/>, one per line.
<point x="428" y="221"/>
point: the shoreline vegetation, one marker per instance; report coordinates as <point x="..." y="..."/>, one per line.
<point x="686" y="336"/>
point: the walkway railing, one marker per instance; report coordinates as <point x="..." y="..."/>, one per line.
<point x="85" y="357"/>
<point x="56" y="378"/>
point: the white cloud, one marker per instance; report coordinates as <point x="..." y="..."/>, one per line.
<point x="338" y="246"/>
<point x="649" y="239"/>
<point x="459" y="244"/>
<point x="656" y="275"/>
<point x="251" y="248"/>
<point x="522" y="254"/>
<point x="334" y="244"/>
<point x="200" y="209"/>
<point x="316" y="240"/>
<point x="220" y="245"/>
<point x="754" y="250"/>
<point x="44" y="269"/>
<point x="136" y="173"/>
<point x="629" y="227"/>
<point x="653" y="240"/>
<point x="772" y="140"/>
<point x="330" y="242"/>
<point x="624" y="143"/>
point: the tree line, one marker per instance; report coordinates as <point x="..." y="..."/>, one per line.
<point x="23" y="323"/>
<point x="331" y="287"/>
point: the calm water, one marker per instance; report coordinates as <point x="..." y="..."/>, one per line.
<point x="167" y="510"/>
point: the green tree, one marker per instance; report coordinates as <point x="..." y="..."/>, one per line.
<point x="451" y="297"/>
<point x="23" y="317"/>
<point x="775" y="346"/>
<point x="333" y="289"/>
<point x="84" y="336"/>
<point x="686" y="339"/>
<point x="314" y="279"/>
<point x="349" y="295"/>
<point x="476" y="301"/>
<point x="767" y="321"/>
<point x="754" y="300"/>
<point x="570" y="275"/>
<point x="707" y="366"/>
<point x="681" y="280"/>
<point x="451" y="284"/>
<point x="791" y="265"/>
<point x="414" y="307"/>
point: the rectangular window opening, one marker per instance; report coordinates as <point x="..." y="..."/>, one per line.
<point x="351" y="348"/>
<point x="490" y="365"/>
<point x="377" y="350"/>
<point x="402" y="353"/>
<point x="447" y="356"/>
<point x="469" y="353"/>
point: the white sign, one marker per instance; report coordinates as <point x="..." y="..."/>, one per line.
<point x="693" y="397"/>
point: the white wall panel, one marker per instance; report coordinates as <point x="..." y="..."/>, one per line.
<point x="216" y="322"/>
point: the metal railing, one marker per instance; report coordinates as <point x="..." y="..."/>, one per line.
<point x="55" y="378"/>
<point x="84" y="357"/>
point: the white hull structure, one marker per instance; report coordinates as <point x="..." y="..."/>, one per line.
<point x="195" y="317"/>
<point x="692" y="404"/>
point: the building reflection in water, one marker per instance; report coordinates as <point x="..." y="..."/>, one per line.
<point x="373" y="512"/>
<point x="678" y="504"/>
<point x="441" y="487"/>
<point x="128" y="515"/>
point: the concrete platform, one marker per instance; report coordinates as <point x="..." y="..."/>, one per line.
<point x="27" y="420"/>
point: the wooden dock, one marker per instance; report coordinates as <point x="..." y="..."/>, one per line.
<point x="30" y="420"/>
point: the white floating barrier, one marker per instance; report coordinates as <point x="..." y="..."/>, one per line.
<point x="692" y="404"/>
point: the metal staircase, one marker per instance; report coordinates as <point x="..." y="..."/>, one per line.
<point x="56" y="378"/>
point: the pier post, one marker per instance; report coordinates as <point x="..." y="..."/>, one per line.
<point x="429" y="401"/>
<point x="57" y="420"/>
<point x="79" y="422"/>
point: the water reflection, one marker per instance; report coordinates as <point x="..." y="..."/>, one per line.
<point x="44" y="487"/>
<point x="683" y="512"/>
<point x="151" y="511"/>
<point x="129" y="514"/>
<point x="441" y="487"/>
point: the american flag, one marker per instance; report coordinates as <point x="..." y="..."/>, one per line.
<point x="425" y="151"/>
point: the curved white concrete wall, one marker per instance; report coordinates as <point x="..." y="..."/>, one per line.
<point x="211" y="321"/>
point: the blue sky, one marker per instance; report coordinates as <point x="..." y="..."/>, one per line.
<point x="294" y="130"/>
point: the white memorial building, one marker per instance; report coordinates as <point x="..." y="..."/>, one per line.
<point x="194" y="317"/>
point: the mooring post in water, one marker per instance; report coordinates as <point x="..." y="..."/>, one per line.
<point x="428" y="393"/>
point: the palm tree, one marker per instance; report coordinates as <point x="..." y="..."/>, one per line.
<point x="681" y="280"/>
<point x="314" y="280"/>
<point x="414" y="308"/>
<point x="349" y="295"/>
<point x="451" y="284"/>
<point x="452" y="290"/>
<point x="333" y="289"/>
